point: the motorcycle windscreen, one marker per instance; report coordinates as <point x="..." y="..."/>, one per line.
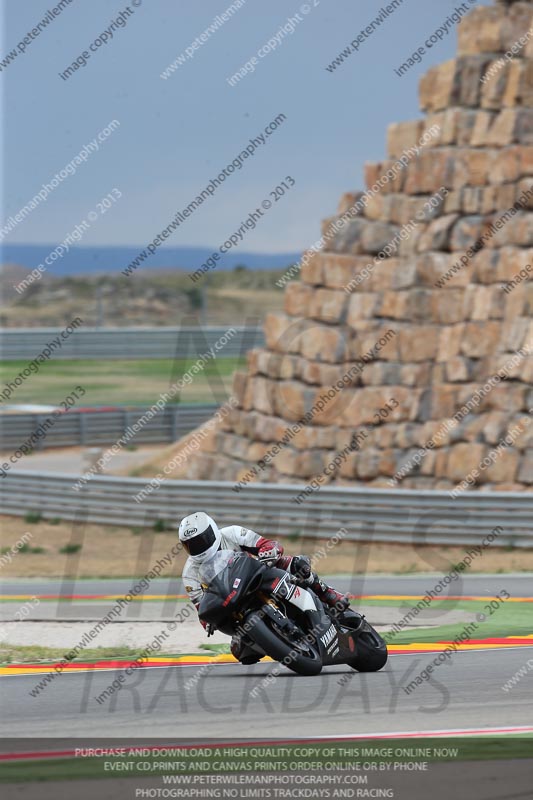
<point x="217" y="564"/>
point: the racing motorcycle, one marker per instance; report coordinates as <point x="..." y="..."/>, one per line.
<point x="278" y="617"/>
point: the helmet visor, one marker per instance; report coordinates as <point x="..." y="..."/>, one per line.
<point x="197" y="545"/>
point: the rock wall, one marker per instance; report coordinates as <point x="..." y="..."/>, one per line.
<point x="404" y="356"/>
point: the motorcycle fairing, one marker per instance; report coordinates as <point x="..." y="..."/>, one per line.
<point x="285" y="589"/>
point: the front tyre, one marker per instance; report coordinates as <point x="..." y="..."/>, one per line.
<point x="301" y="657"/>
<point x="370" y="648"/>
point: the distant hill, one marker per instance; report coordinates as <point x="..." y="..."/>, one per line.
<point x="91" y="260"/>
<point x="152" y="297"/>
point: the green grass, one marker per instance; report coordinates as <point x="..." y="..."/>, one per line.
<point x="510" y="619"/>
<point x="27" y="549"/>
<point x="121" y="382"/>
<point x="162" y="525"/>
<point x="30" y="654"/>
<point x="70" y="548"/>
<point x="217" y="649"/>
<point x="39" y="654"/>
<point x="32" y="517"/>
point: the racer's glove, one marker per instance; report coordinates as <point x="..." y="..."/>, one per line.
<point x="208" y="627"/>
<point x="300" y="567"/>
<point x="269" y="552"/>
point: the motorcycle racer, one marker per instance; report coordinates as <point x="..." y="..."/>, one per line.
<point x="202" y="539"/>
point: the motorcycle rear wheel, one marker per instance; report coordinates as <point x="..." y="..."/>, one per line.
<point x="370" y="648"/>
<point x="304" y="661"/>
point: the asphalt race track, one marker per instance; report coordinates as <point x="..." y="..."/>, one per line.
<point x="218" y="700"/>
<point x="466" y="693"/>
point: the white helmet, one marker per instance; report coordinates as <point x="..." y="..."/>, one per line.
<point x="200" y="536"/>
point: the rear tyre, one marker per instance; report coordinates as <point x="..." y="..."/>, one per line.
<point x="301" y="657"/>
<point x="370" y="648"/>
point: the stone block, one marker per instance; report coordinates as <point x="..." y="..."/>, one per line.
<point x="298" y="297"/>
<point x="524" y="193"/>
<point x="348" y="200"/>
<point x="290" y="399"/>
<point x="259" y="390"/>
<point x="457" y="370"/>
<point x="403" y="135"/>
<point x="504" y="467"/>
<point x="394" y="305"/>
<point x="468" y="75"/>
<point x="482" y="128"/>
<point x="343" y="271"/>
<point x="375" y="236"/>
<point x="466" y="122"/>
<point x="349" y="238"/>
<point x="429" y="171"/>
<point x="480" y="338"/>
<point x="525" y="156"/>
<point x="511" y="125"/>
<point x="436" y="87"/>
<point x="328" y="305"/>
<point x="269" y="364"/>
<point x="367" y="465"/>
<point x="375" y="207"/>
<point x="463" y="459"/>
<point x="415" y="374"/>
<point x="507" y="166"/>
<point x="321" y="343"/>
<point x="279" y="336"/>
<point x="447" y="307"/>
<point x="494" y="84"/>
<point x="515" y="24"/>
<point x="438" y="234"/>
<point x="311" y="271"/>
<point x="480" y="31"/>
<point x="525" y="470"/>
<point x="418" y="342"/>
<point x="466" y="233"/>
<point x="380" y="343"/>
<point x="362" y="305"/>
<point x="518" y="89"/>
<point x="239" y="386"/>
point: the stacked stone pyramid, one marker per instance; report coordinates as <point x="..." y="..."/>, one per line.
<point x="441" y="255"/>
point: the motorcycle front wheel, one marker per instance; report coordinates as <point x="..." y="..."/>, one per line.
<point x="301" y="657"/>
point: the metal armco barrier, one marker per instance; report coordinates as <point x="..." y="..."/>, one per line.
<point x="127" y="343"/>
<point x="102" y="427"/>
<point x="403" y="516"/>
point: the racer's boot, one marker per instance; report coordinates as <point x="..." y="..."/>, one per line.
<point x="330" y="596"/>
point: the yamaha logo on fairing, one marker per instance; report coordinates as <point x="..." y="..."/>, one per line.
<point x="328" y="636"/>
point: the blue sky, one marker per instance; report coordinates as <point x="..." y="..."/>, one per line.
<point x="176" y="134"/>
